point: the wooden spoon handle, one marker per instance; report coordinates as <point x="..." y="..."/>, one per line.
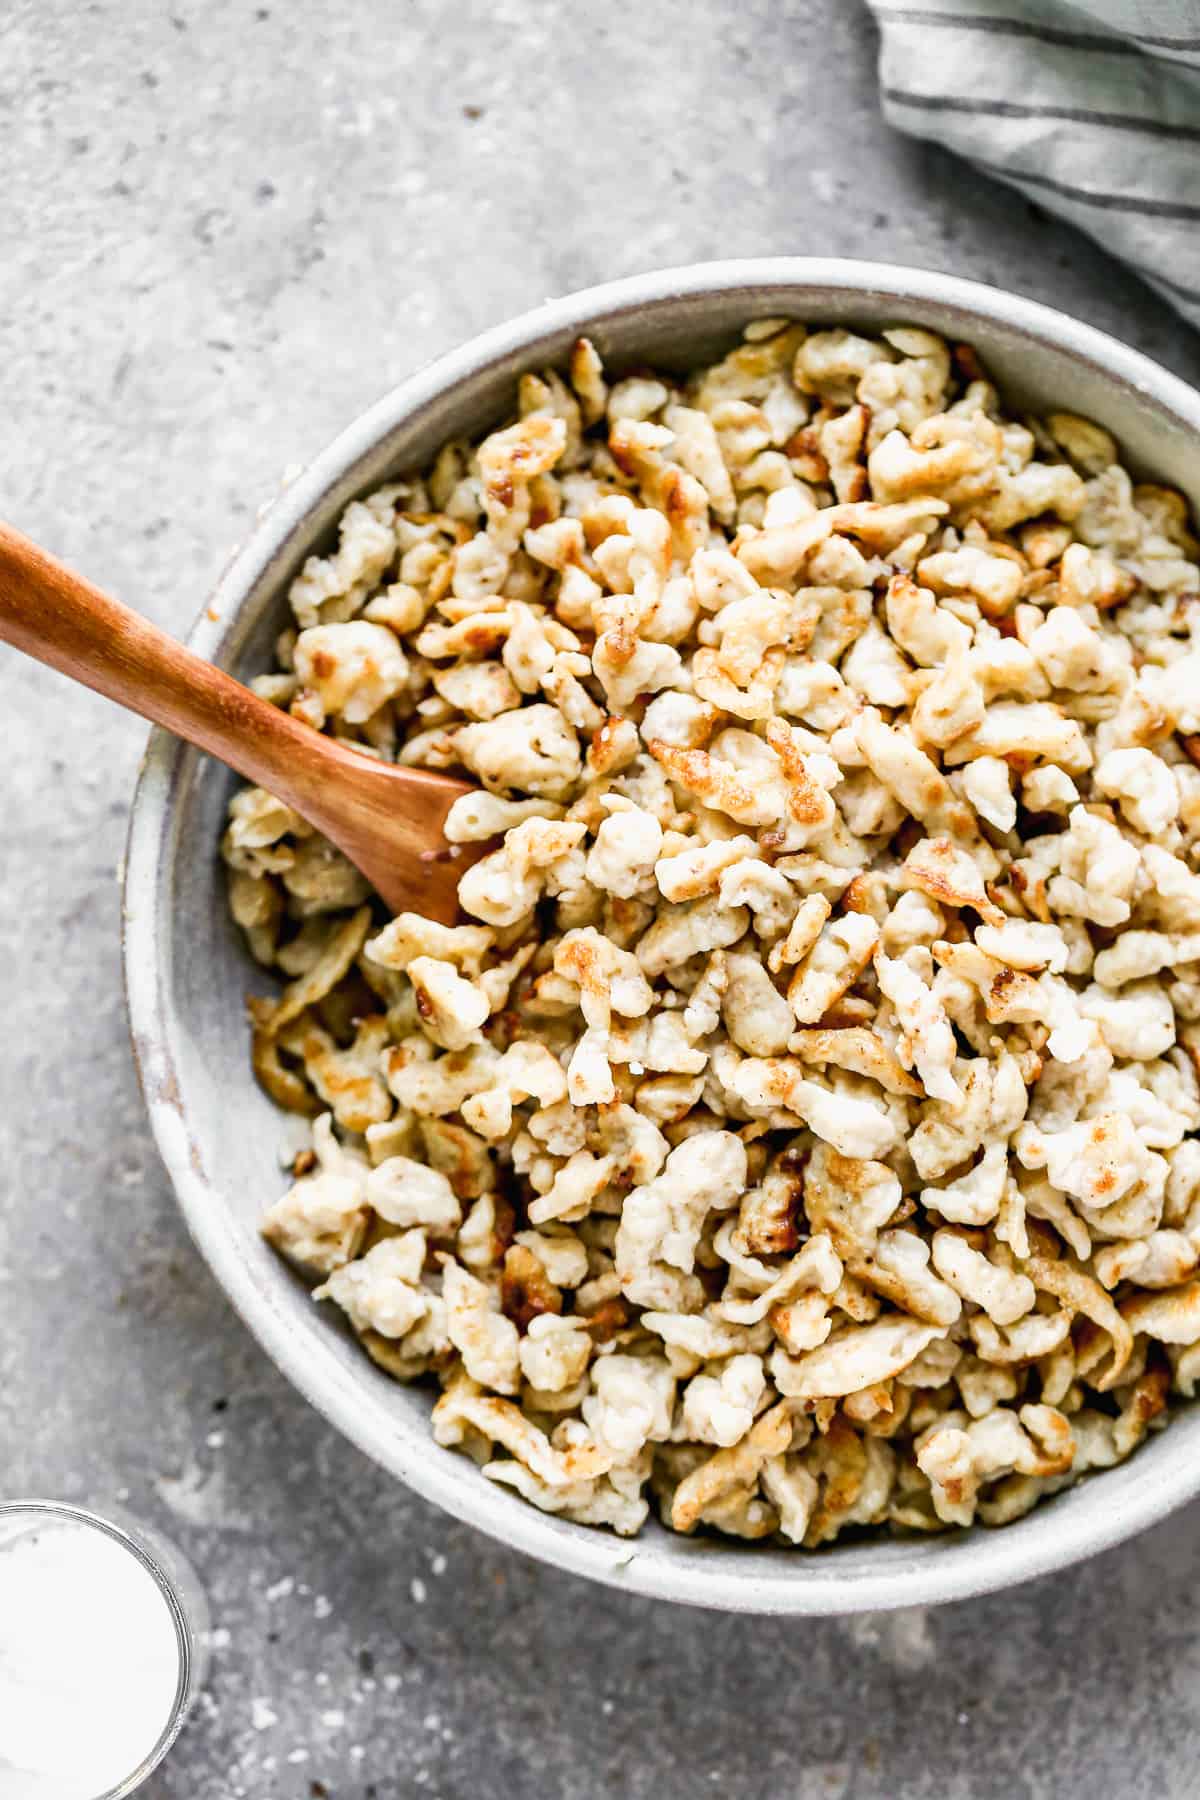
<point x="387" y="819"/>
<point x="58" y="617"/>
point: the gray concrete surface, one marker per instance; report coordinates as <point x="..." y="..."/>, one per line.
<point x="225" y="228"/>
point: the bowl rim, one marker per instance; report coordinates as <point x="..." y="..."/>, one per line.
<point x="986" y="1561"/>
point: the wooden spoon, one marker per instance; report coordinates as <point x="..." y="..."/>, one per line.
<point x="388" y="820"/>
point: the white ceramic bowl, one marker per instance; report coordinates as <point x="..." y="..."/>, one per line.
<point x="187" y="973"/>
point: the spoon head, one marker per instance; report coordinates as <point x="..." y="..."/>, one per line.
<point x="426" y="883"/>
<point x="390" y="822"/>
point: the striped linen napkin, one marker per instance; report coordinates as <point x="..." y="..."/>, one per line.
<point x="1091" y="109"/>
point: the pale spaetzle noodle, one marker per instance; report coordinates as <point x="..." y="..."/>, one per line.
<point x="799" y="1134"/>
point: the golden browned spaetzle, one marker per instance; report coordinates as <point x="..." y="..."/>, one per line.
<point x="800" y="1132"/>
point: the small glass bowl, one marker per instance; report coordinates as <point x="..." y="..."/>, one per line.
<point x="175" y="1579"/>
